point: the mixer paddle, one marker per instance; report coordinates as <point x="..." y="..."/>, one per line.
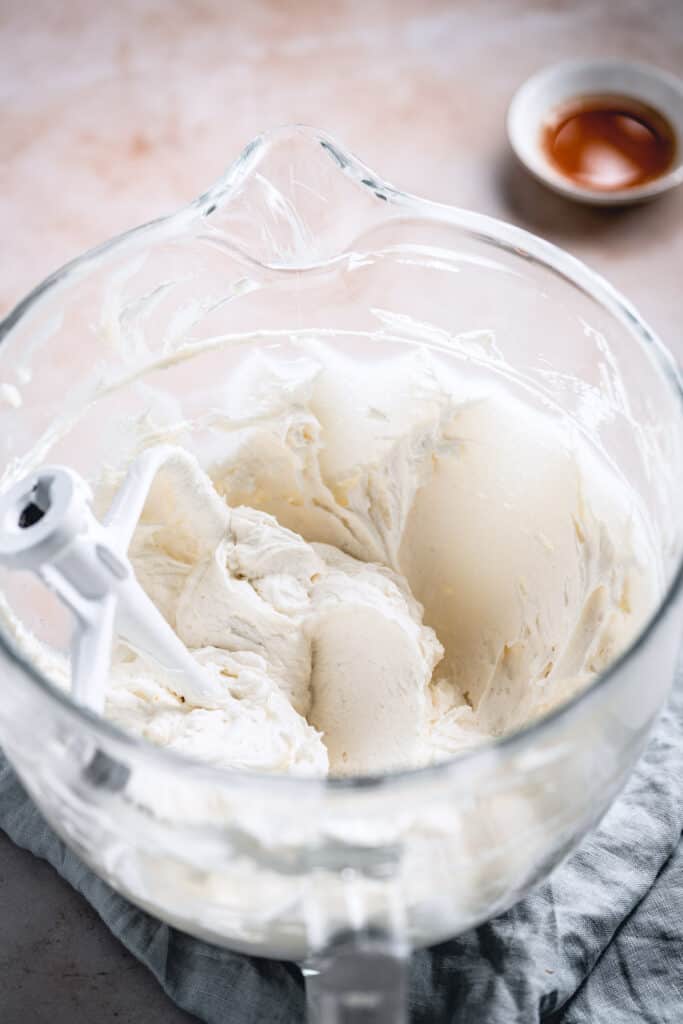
<point x="47" y="526"/>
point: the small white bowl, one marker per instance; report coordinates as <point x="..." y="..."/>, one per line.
<point x="556" y="85"/>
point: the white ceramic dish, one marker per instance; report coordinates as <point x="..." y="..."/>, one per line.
<point x="558" y="84"/>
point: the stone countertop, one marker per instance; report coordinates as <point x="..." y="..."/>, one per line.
<point x="113" y="114"/>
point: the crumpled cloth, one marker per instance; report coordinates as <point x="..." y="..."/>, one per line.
<point x="601" y="942"/>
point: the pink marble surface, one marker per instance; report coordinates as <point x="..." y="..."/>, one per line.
<point x="113" y="113"/>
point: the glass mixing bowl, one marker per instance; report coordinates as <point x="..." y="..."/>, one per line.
<point x="299" y="239"/>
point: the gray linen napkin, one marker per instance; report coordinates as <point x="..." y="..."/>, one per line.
<point x="601" y="941"/>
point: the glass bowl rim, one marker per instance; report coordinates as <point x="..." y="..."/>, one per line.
<point x="500" y="234"/>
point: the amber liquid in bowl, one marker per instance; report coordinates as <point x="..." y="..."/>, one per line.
<point x="609" y="143"/>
